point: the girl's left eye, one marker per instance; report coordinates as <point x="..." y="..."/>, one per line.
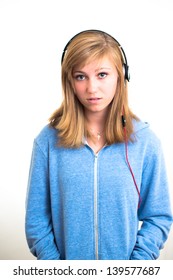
<point x="102" y="75"/>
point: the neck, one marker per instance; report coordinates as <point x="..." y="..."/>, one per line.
<point x="95" y="124"/>
<point x="95" y="120"/>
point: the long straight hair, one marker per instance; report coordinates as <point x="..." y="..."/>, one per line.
<point x="69" y="119"/>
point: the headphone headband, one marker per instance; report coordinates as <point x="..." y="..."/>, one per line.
<point x="125" y="64"/>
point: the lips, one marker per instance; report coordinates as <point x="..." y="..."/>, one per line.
<point x="94" y="100"/>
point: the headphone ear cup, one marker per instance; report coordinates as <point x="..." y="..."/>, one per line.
<point x="126" y="72"/>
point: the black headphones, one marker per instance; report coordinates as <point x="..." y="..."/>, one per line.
<point x="125" y="64"/>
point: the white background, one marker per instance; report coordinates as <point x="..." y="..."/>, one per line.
<point x="33" y="34"/>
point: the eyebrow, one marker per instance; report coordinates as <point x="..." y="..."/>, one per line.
<point x="101" y="68"/>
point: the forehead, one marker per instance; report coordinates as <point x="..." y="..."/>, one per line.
<point x="97" y="64"/>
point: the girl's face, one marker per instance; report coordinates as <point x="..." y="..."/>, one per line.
<point x="95" y="85"/>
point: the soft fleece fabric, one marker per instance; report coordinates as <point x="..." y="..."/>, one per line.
<point x="60" y="200"/>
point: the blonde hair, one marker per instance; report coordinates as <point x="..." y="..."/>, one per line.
<point x="69" y="118"/>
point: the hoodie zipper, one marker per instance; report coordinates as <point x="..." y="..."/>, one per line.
<point x="96" y="205"/>
<point x="95" y="202"/>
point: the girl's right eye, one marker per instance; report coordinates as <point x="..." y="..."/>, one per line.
<point x="79" y="77"/>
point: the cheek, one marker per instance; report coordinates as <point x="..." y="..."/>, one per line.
<point x="78" y="88"/>
<point x="114" y="88"/>
<point x="111" y="90"/>
<point x="79" y="92"/>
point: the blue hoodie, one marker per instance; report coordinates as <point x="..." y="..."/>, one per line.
<point x="83" y="206"/>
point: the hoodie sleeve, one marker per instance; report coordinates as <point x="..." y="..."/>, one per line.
<point x="155" y="209"/>
<point x="38" y="223"/>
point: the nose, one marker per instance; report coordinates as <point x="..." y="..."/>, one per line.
<point x="91" y="85"/>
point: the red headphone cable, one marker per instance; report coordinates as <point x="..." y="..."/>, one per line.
<point x="127" y="159"/>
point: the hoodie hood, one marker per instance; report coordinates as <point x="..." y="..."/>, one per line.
<point x="139" y="125"/>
